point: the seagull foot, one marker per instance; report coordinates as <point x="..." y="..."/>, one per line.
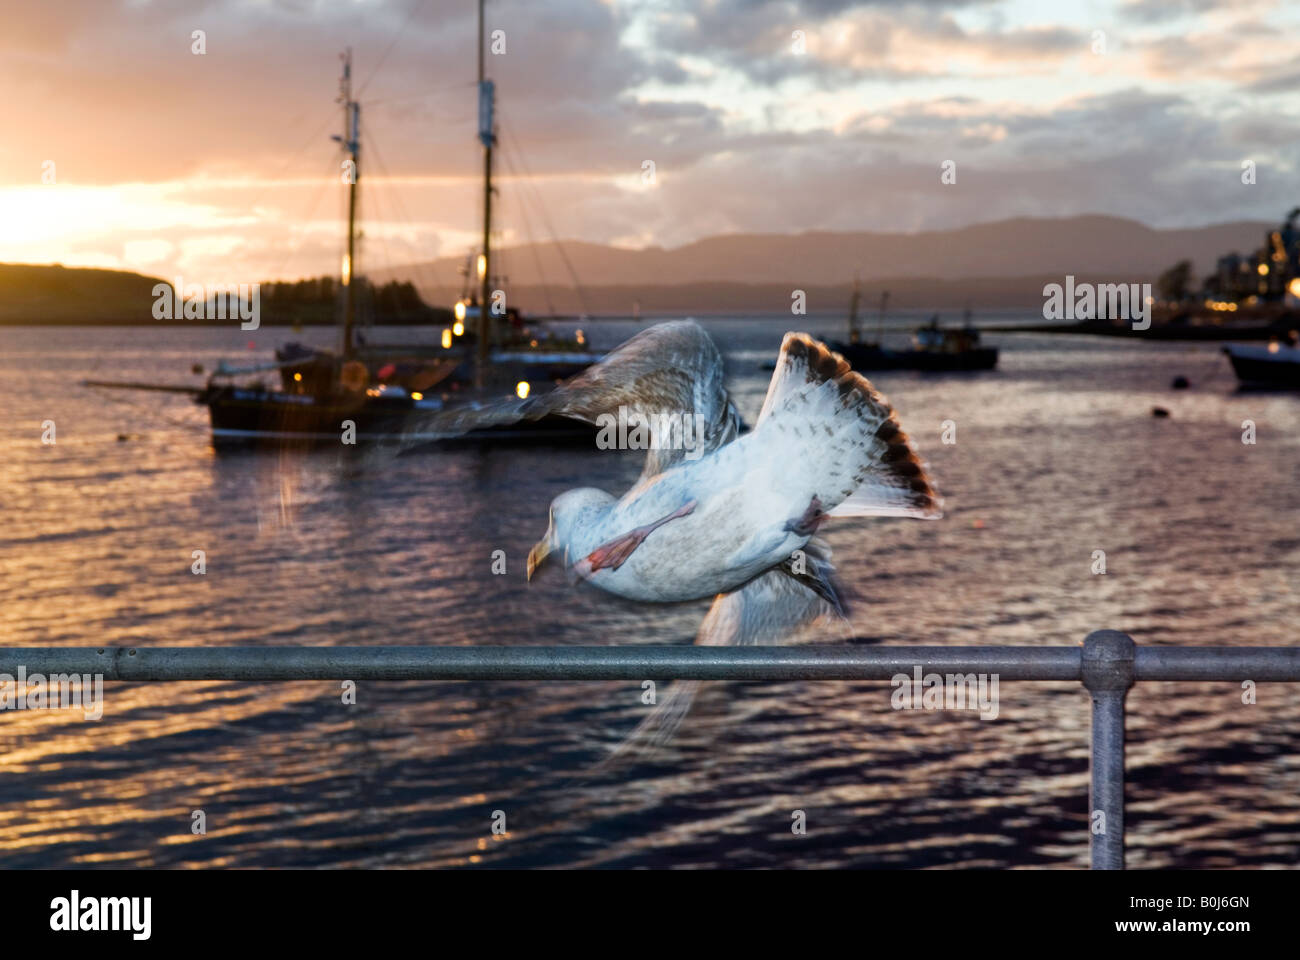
<point x="612" y="555"/>
<point x="811" y="519"/>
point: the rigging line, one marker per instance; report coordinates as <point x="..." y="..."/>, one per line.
<point x="420" y="96"/>
<point x="508" y="156"/>
<point x="398" y="207"/>
<point x="293" y="159"/>
<point x="311" y="211"/>
<point x="380" y="209"/>
<point x="119" y="398"/>
<point x="415" y="7"/>
<point x="573" y="274"/>
<point x="419" y="265"/>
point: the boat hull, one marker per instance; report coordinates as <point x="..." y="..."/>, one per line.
<point x="1257" y="366"/>
<point x="244" y="418"/>
<point x="865" y="356"/>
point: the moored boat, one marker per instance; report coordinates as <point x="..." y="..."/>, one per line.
<point x="934" y="349"/>
<point x="1274" y="364"/>
<point x="371" y="391"/>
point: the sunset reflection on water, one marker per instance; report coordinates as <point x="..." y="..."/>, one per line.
<point x="1057" y="456"/>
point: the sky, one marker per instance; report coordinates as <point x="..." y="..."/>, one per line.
<point x="124" y="147"/>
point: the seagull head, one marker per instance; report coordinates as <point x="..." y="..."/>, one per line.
<point x="573" y="526"/>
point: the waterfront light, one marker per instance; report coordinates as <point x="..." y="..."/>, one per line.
<point x="458" y="328"/>
<point x="417" y="396"/>
<point x="298" y="377"/>
<point x="1294" y="286"/>
<point x="1273" y="346"/>
<point x="482" y="266"/>
<point x="347" y="270"/>
<point x="521" y="389"/>
<point x="1263" y="269"/>
<point x="460" y="310"/>
<point x="446" y="338"/>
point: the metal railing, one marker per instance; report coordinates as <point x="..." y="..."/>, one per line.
<point x="1108" y="663"/>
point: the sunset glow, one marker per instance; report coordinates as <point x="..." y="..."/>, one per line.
<point x="219" y="166"/>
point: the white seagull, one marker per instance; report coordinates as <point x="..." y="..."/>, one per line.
<point x="714" y="513"/>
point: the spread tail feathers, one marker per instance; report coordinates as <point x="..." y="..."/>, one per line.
<point x="859" y="461"/>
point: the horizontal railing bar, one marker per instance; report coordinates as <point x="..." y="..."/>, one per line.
<point x="635" y="663"/>
<point x="541" y="663"/>
<point x="1217" y="663"/>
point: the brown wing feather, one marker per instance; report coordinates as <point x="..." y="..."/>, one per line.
<point x="893" y="463"/>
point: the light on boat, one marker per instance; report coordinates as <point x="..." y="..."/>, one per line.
<point x="298" y="377"/>
<point x="458" y="328"/>
<point x="417" y="396"/>
<point x="1294" y="286"/>
<point x="460" y="312"/>
<point x="482" y="266"/>
<point x="521" y="389"/>
<point x="446" y="338"/>
<point x="580" y="337"/>
<point x="1263" y="269"/>
<point x="1272" y="347"/>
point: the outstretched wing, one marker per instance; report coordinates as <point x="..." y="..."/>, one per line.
<point x="777" y="606"/>
<point x="838" y="440"/>
<point x="667" y="377"/>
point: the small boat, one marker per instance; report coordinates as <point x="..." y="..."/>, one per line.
<point x="934" y="348"/>
<point x="1274" y="364"/>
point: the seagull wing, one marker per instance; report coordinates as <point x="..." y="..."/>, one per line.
<point x="668" y="377"/>
<point x="830" y="435"/>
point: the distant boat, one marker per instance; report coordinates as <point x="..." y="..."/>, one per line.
<point x="934" y="348"/>
<point x="1273" y="364"/>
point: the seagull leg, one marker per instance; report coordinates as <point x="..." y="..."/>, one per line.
<point x="614" y="554"/>
<point x="811" y="519"/>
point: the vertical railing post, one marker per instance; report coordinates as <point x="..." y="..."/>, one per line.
<point x="1107" y="674"/>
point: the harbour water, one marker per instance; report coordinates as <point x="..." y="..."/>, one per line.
<point x="1057" y="456"/>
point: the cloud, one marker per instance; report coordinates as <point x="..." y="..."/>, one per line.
<point x="1160" y="11"/>
<point x="224" y="159"/>
<point x="844" y="42"/>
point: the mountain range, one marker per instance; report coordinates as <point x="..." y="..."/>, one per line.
<point x="1003" y="264"/>
<point x="999" y="264"/>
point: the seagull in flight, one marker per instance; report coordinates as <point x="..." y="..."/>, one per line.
<point x="717" y="513"/>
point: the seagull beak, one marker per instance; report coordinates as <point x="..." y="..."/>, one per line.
<point x="537" y="556"/>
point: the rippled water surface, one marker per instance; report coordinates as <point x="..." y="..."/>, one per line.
<point x="1057" y="456"/>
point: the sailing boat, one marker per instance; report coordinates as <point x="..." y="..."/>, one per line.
<point x="368" y="390"/>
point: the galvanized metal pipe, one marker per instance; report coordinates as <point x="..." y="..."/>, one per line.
<point x="636" y="663"/>
<point x="1108" y="663"/>
<point x="542" y="663"/>
<point x="1108" y="658"/>
<point x="1217" y="663"/>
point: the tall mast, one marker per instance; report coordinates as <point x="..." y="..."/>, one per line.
<point x="351" y="141"/>
<point x="488" y="137"/>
